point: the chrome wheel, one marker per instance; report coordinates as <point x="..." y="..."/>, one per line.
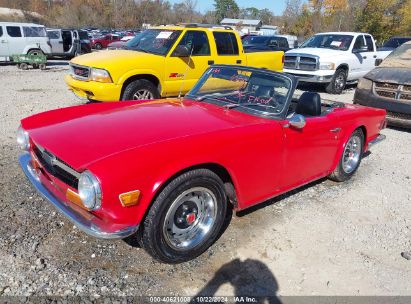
<point x="143" y="94"/>
<point x="190" y="218"/>
<point x="352" y="154"/>
<point x="340" y="82"/>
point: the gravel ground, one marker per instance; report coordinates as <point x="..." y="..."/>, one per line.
<point x="324" y="239"/>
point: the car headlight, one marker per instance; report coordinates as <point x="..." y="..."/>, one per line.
<point x="364" y="84"/>
<point x="327" y="66"/>
<point x="89" y="190"/>
<point x="100" y="75"/>
<point x="23" y="139"/>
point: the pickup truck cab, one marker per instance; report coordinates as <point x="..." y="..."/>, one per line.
<point x="162" y="62"/>
<point x="333" y="59"/>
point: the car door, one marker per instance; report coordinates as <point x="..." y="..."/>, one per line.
<point x="4" y="47"/>
<point x="363" y="57"/>
<point x="228" y="49"/>
<point x="309" y="152"/>
<point x="181" y="73"/>
<point x="56" y="41"/>
<point x="15" y="39"/>
<point x="371" y="54"/>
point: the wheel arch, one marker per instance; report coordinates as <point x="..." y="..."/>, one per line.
<point x="344" y="140"/>
<point x="343" y="66"/>
<point x="150" y="77"/>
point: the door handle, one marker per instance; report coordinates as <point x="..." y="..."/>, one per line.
<point x="239" y="61"/>
<point x="375" y="56"/>
<point x="3" y="41"/>
<point x="61" y="42"/>
<point x="364" y="57"/>
<point x="210" y="62"/>
<point x="336" y="130"/>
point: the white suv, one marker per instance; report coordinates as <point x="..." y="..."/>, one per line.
<point x="333" y="59"/>
<point x="22" y="38"/>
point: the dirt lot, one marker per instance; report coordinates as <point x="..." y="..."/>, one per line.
<point x="324" y="239"/>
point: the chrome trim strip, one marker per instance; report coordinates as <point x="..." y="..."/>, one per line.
<point x="94" y="227"/>
<point x="377" y="140"/>
<point x="58" y="163"/>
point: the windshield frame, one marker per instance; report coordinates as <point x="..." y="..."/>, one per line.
<point x="303" y="45"/>
<point x="140" y="36"/>
<point x="263" y="114"/>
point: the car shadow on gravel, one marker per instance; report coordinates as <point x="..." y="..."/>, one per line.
<point x="399" y="129"/>
<point x="249" y="279"/>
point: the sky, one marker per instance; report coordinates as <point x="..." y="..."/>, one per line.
<point x="276" y="6"/>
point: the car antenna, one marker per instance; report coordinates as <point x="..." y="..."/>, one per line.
<point x="185" y="74"/>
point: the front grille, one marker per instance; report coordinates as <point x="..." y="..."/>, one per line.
<point x="80" y="72"/>
<point x="51" y="164"/>
<point x="299" y="62"/>
<point x="393" y="91"/>
<point x="398" y="115"/>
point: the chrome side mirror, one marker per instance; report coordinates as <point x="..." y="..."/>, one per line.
<point x="297" y="121"/>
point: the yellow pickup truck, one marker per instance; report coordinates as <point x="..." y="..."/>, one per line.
<point x="162" y="62"/>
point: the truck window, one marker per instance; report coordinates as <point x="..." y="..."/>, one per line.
<point x="13" y="31"/>
<point x="34" y="31"/>
<point x="226" y="43"/>
<point x="196" y="42"/>
<point x="283" y="43"/>
<point x="370" y="43"/>
<point x="1" y="31"/>
<point x="53" y="34"/>
<point x="359" y="43"/>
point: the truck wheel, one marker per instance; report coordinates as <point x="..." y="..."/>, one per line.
<point x="186" y="217"/>
<point x="350" y="158"/>
<point x="337" y="84"/>
<point x="24" y="66"/>
<point x="141" y="89"/>
<point x="42" y="66"/>
<point x="98" y="46"/>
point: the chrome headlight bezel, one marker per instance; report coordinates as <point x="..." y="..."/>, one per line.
<point x="89" y="190"/>
<point x="364" y="84"/>
<point x="23" y="139"/>
<point x="100" y="75"/>
<point x="327" y="66"/>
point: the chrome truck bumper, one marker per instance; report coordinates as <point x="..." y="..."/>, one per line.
<point x="85" y="221"/>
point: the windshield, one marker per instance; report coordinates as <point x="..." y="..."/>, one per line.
<point x="399" y="58"/>
<point x="335" y="42"/>
<point x="255" y="40"/>
<point x="83" y="35"/>
<point x="154" y="41"/>
<point x="244" y="89"/>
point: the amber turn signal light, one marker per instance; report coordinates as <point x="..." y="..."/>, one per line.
<point x="129" y="198"/>
<point x="74" y="198"/>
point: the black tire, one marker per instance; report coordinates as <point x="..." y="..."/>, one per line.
<point x="98" y="46"/>
<point x="341" y="174"/>
<point x="24" y="66"/>
<point x="35" y="52"/>
<point x="35" y="66"/>
<point x="42" y="66"/>
<point x="140" y="85"/>
<point x="154" y="238"/>
<point x="338" y="82"/>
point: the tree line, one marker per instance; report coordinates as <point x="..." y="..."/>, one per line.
<point x="382" y="18"/>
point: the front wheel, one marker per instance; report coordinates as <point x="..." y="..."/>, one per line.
<point x="186" y="217"/>
<point x="351" y="157"/>
<point x="140" y="89"/>
<point x="98" y="46"/>
<point x="338" y="82"/>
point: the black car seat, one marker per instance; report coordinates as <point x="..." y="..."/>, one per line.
<point x="309" y="104"/>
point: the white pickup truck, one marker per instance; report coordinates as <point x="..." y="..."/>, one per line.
<point x="334" y="59"/>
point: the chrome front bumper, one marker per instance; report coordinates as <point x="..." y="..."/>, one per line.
<point x="375" y="141"/>
<point x="91" y="225"/>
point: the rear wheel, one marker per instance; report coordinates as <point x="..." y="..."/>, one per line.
<point x="186" y="217"/>
<point x="24" y="66"/>
<point x="42" y="66"/>
<point x="350" y="158"/>
<point x="140" y="89"/>
<point x="98" y="46"/>
<point x="35" y="52"/>
<point x="338" y="82"/>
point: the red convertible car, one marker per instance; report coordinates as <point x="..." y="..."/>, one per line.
<point x="168" y="169"/>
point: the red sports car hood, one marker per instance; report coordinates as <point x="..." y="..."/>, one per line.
<point x="85" y="134"/>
